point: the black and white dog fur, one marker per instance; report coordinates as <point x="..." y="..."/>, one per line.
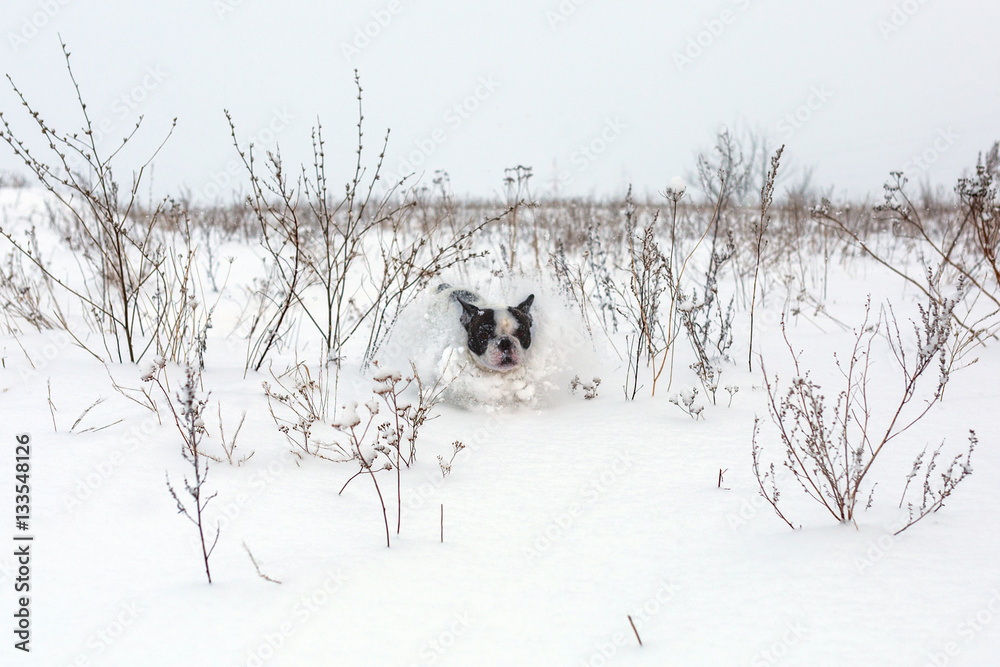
<point x="497" y="337"/>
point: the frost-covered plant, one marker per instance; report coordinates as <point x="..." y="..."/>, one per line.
<point x="185" y="316"/>
<point x="445" y="466"/>
<point x="709" y="328"/>
<point x="961" y="241"/>
<point x="685" y="400"/>
<point x="759" y="233"/>
<point x="517" y="194"/>
<point x="121" y="256"/>
<point x="367" y="453"/>
<point x="230" y="447"/>
<point x="655" y="276"/>
<point x="736" y="156"/>
<point x="589" y="283"/>
<point x="572" y="282"/>
<point x="647" y="268"/>
<point x="274" y="202"/>
<point x="299" y="403"/>
<point x="386" y="438"/>
<point x="21" y="295"/>
<point x="187" y="408"/>
<point x="639" y="303"/>
<point x="732" y="390"/>
<point x="933" y="495"/>
<point x="978" y="196"/>
<point x="589" y="388"/>
<point x="316" y="239"/>
<point x="831" y="447"/>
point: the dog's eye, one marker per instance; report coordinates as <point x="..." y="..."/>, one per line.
<point x="523" y="335"/>
<point x="480" y="333"/>
<point x="523" y="331"/>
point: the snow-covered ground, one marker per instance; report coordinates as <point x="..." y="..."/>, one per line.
<point x="560" y="521"/>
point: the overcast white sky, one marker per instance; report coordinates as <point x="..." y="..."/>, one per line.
<point x="600" y="94"/>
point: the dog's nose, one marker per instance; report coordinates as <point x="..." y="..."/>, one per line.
<point x="504" y="345"/>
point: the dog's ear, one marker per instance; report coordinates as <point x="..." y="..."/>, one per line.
<point x="526" y="304"/>
<point x="468" y="311"/>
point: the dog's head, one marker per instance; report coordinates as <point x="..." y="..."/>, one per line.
<point x="498" y="338"/>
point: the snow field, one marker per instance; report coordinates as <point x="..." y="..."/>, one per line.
<point x="561" y="519"/>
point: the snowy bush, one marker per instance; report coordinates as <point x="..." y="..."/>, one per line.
<point x="830" y="447"/>
<point x="187" y="408"/>
<point x="134" y="289"/>
<point x="388" y="440"/>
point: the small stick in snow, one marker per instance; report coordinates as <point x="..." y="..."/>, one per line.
<point x="442" y="523"/>
<point x="721" y="473"/>
<point x="257" y="567"/>
<point x="52" y="406"/>
<point x="82" y="415"/>
<point x="632" y="623"/>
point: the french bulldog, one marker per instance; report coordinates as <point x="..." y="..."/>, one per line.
<point x="497" y="337"/>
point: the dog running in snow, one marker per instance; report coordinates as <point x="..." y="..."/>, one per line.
<point x="497" y="337"/>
